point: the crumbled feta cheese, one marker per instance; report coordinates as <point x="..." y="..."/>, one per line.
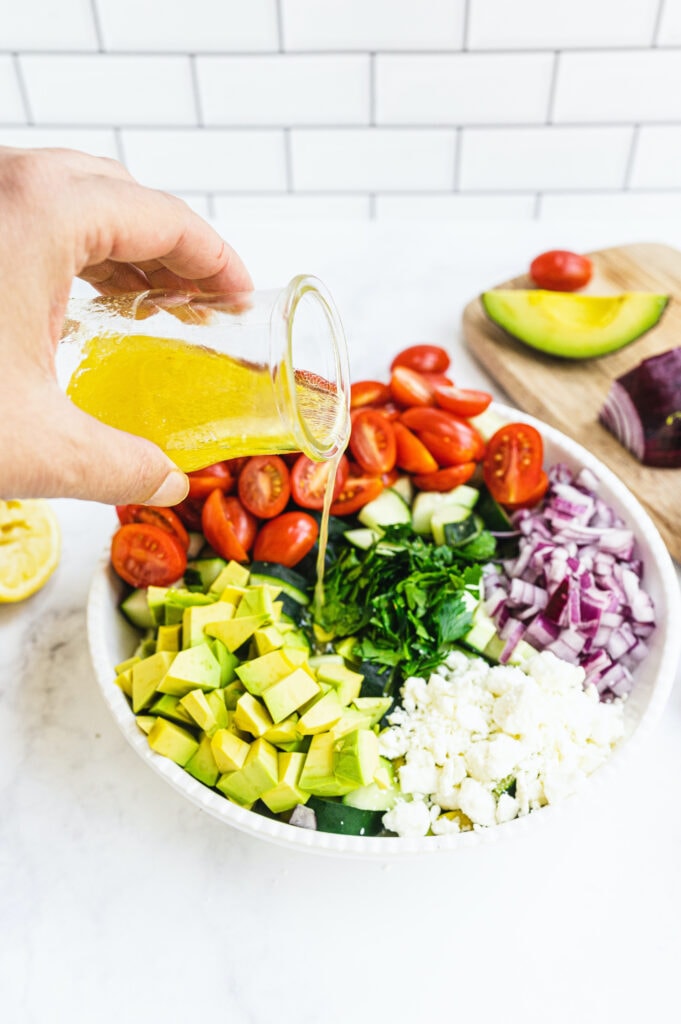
<point x="471" y="730"/>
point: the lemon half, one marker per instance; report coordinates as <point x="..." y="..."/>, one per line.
<point x="30" y="544"/>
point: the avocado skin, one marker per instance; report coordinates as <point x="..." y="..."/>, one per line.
<point x="557" y="323"/>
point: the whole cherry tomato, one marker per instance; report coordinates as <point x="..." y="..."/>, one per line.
<point x="286" y="539"/>
<point x="146" y="555"/>
<point x="423" y="359"/>
<point x="561" y="271"/>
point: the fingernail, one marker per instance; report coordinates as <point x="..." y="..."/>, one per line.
<point x="174" y="489"/>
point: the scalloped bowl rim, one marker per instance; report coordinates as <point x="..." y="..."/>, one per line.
<point x="107" y="633"/>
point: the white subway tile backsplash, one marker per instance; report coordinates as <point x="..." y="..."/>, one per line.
<point x="99" y="142"/>
<point x="544" y="158"/>
<point x="669" y="31"/>
<point x="536" y="24"/>
<point x="11" y="104"/>
<point x="657" y="161"/>
<point x="372" y="25"/>
<point x="455" y="207"/>
<point x="462" y="88"/>
<point x="283" y="89"/>
<point x="629" y="85"/>
<point x="616" y="206"/>
<point x="202" y="26"/>
<point x="105" y="89"/>
<point x="46" y="25"/>
<point x="371" y="160"/>
<point x="186" y="160"/>
<point x="291" y="207"/>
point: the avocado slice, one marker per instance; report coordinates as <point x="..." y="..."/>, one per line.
<point x="574" y="326"/>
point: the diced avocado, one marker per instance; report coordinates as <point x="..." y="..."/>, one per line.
<point x="374" y="708"/>
<point x="350" y="720"/>
<point x="262" y="765"/>
<point x="146" y="677"/>
<point x="191" y="668"/>
<point x="357" y="759"/>
<point x="295" y="655"/>
<point x="256" y="601"/>
<point x="172" y="614"/>
<point x="283" y="732"/>
<point x="232" y="574"/>
<point x="250" y="715"/>
<point x="124" y="680"/>
<point x="194" y="619"/>
<point x="295" y="640"/>
<point x="231" y="693"/>
<point x="324" y="659"/>
<point x="172" y="741"/>
<point x="197" y="706"/>
<point x="145" y="722"/>
<point x="321" y="716"/>
<point x="268" y="639"/>
<point x="346" y="648"/>
<point x="179" y="597"/>
<point x="238" y="788"/>
<point x="237" y="631"/>
<point x="156" y="597"/>
<point x="216" y="702"/>
<point x="135" y="607"/>
<point x="318" y="774"/>
<point x="227" y="661"/>
<point x="124" y="666"/>
<point x="570" y="325"/>
<point x="169" y="707"/>
<point x="233" y="726"/>
<point x="228" y="750"/>
<point x="287" y="793"/>
<point x="146" y="647"/>
<point x="202" y="764"/>
<point x="260" y="673"/>
<point x="346" y="683"/>
<point x="289" y="582"/>
<point x="168" y="638"/>
<point x="289" y="694"/>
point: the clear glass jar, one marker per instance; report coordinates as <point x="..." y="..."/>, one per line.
<point x="212" y="377"/>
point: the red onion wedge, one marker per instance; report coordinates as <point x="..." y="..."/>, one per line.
<point x="643" y="410"/>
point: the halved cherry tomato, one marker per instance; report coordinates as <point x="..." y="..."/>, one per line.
<point x="286" y="539"/>
<point x="561" y="271"/>
<point x="203" y="481"/>
<point x="309" y="480"/>
<point x="357" y="492"/>
<point x="189" y="511"/>
<point x="412" y="454"/>
<point x="368" y="392"/>
<point x="461" y="444"/>
<point x="372" y="442"/>
<point x="391" y="478"/>
<point x="462" y="401"/>
<point x="423" y="358"/>
<point x="439" y="421"/>
<point x="264" y="486"/>
<point x="438" y="379"/>
<point x="444" y="479"/>
<point x="228" y="527"/>
<point x="535" y="497"/>
<point x="513" y="463"/>
<point x="408" y="387"/>
<point x="236" y="464"/>
<point x="156" y="516"/>
<point x="146" y="555"/>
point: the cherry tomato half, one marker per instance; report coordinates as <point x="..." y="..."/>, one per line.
<point x="146" y="555"/>
<point x="286" y="539"/>
<point x="156" y="516"/>
<point x="309" y="481"/>
<point x="203" y="481"/>
<point x="535" y="497"/>
<point x="561" y="271"/>
<point x="461" y="444"/>
<point x="513" y="463"/>
<point x="409" y="387"/>
<point x="264" y="486"/>
<point x="372" y="442"/>
<point x="462" y="401"/>
<point x="228" y="527"/>
<point x="412" y="454"/>
<point x="423" y="359"/>
<point x="444" y="479"/>
<point x="189" y="512"/>
<point x="368" y="392"/>
<point x="439" y="421"/>
<point x="357" y="492"/>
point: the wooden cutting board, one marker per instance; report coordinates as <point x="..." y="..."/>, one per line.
<point x="570" y="394"/>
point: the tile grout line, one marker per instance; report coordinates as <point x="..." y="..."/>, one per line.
<point x="466" y="25"/>
<point x="335" y="52"/>
<point x="97" y="25"/>
<point x="658" y="24"/>
<point x="553" y="88"/>
<point x="288" y="161"/>
<point x="537" y="211"/>
<point x="372" y="90"/>
<point x="372" y="205"/>
<point x="194" y="72"/>
<point x="458" y="154"/>
<point x="23" y="90"/>
<point x="280" y="25"/>
<point x="120" y="148"/>
<point x="631" y="158"/>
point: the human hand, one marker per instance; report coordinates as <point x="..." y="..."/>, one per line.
<point x="66" y="214"/>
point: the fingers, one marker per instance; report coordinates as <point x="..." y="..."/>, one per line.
<point x="111" y="278"/>
<point x="127" y="223"/>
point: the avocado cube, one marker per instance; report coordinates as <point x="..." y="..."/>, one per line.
<point x="346" y="682"/>
<point x="283" y="732"/>
<point x="145" y="722"/>
<point x="226" y="660"/>
<point x="351" y="720"/>
<point x="251" y="716"/>
<point x="238" y="788"/>
<point x="237" y="631"/>
<point x="346" y="648"/>
<point x="195" y="667"/>
<point x="358" y="759"/>
<point x="156" y="599"/>
<point x="261" y="766"/>
<point x="172" y="614"/>
<point x="231" y="693"/>
<point x="256" y="601"/>
<point x="126" y="665"/>
<point x="260" y="673"/>
<point x="268" y="639"/>
<point x="294" y="640"/>
<point x="216" y="703"/>
<point x="277" y="609"/>
<point x="169" y="638"/>
<point x="169" y="707"/>
<point x="202" y="764"/>
<point x="373" y="707"/>
<point x="196" y="617"/>
<point x="286" y="794"/>
<point x="124" y="680"/>
<point x="146" y="677"/>
<point x="200" y="710"/>
<point x="299" y="746"/>
<point x="233" y="594"/>
<point x="321" y="715"/>
<point x="318" y="774"/>
<point x="232" y="574"/>
<point x="297" y="656"/>
<point x="228" y="750"/>
<point x="289" y="694"/>
<point x="233" y="727"/>
<point x="172" y="741"/>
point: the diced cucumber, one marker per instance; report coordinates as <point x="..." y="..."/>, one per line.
<point x="494" y="516"/>
<point x="362" y="538"/>
<point x="135" y="607"/>
<point x="481" y="632"/>
<point x="388" y="509"/>
<point x="426" y="503"/>
<point x="350" y="821"/>
<point x="487" y="423"/>
<point x="464" y="495"/>
<point x="208" y="569"/>
<point x="445" y="516"/>
<point x="196" y="543"/>
<point x="405" y="488"/>
<point x="291" y="583"/>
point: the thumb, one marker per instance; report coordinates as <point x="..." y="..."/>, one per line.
<point x="80" y="457"/>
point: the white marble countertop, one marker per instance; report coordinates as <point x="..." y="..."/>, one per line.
<point x="120" y="901"/>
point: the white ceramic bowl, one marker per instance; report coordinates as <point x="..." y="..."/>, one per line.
<point x="112" y="640"/>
